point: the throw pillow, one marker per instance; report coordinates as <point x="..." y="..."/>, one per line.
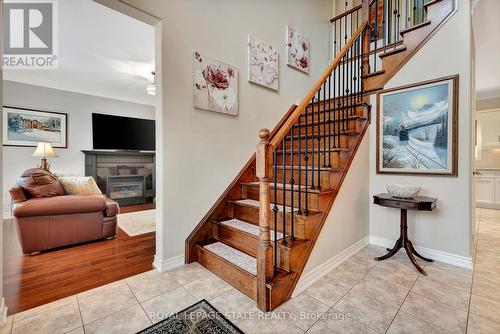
<point x="80" y="185"/>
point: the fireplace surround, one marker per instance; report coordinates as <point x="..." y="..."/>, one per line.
<point x="127" y="177"/>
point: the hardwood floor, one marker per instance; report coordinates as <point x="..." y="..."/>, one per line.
<point x="30" y="281"/>
<point x="138" y="207"/>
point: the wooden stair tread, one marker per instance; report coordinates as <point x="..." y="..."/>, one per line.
<point x="255" y="204"/>
<point x="351" y="117"/>
<point x="246" y="227"/>
<point x="234" y="256"/>
<point x="279" y="185"/>
<point x="414" y="27"/>
<point x="393" y="51"/>
<point x="373" y="74"/>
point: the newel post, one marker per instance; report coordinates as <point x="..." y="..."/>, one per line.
<point x="264" y="162"/>
<point x="365" y="14"/>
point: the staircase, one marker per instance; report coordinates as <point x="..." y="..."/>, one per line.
<point x="260" y="232"/>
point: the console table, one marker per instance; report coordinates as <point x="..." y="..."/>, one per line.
<point x="418" y="203"/>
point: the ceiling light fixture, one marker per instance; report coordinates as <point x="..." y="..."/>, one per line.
<point x="151" y="87"/>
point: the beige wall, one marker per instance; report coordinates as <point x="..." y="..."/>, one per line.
<point x="347" y="222"/>
<point x="448" y="228"/>
<point x="203" y="151"/>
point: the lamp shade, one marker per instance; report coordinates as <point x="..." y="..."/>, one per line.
<point x="44" y="149"/>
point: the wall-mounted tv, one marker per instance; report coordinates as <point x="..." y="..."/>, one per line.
<point x="122" y="133"/>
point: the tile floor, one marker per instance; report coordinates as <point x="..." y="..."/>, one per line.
<point x="359" y="296"/>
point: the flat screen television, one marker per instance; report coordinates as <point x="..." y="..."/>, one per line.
<point x="122" y="133"/>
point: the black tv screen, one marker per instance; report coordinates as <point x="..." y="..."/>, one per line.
<point x="122" y="133"/>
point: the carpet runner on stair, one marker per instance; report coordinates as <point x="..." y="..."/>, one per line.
<point x="236" y="257"/>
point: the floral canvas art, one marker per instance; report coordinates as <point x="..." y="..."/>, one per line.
<point x="263" y="63"/>
<point x="297" y="50"/>
<point x="215" y="85"/>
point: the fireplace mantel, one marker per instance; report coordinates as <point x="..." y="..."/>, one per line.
<point x="103" y="164"/>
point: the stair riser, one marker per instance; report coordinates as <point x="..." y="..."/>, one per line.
<point x="251" y="215"/>
<point x="238" y="278"/>
<point x="338" y="159"/>
<point x="327" y="179"/>
<point x="354" y="125"/>
<point x="313" y="198"/>
<point x="322" y="143"/>
<point x="248" y="243"/>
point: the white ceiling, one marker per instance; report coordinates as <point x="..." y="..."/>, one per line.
<point x="486" y="25"/>
<point x="101" y="52"/>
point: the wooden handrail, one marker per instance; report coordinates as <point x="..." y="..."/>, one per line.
<point x="352" y="10"/>
<point x="277" y="136"/>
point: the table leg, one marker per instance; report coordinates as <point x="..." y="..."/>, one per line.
<point x="413" y="260"/>
<point x="392" y="252"/>
<point x="417" y="254"/>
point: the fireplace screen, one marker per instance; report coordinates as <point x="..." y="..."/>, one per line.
<point x="126" y="187"/>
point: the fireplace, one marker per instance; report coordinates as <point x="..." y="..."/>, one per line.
<point x="127" y="190"/>
<point x="126" y="176"/>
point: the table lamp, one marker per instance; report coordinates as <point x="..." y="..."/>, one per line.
<point x="44" y="150"/>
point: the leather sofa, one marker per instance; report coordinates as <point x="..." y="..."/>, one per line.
<point x="47" y="218"/>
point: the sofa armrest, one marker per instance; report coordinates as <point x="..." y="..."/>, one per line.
<point x="17" y="194"/>
<point x="60" y="205"/>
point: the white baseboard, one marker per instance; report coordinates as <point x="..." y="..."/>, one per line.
<point x="3" y="312"/>
<point x="309" y="279"/>
<point x="168" y="264"/>
<point x="453" y="259"/>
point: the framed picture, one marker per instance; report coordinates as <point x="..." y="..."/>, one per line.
<point x="28" y="127"/>
<point x="263" y="64"/>
<point x="417" y="128"/>
<point x="297" y="50"/>
<point x="215" y="85"/>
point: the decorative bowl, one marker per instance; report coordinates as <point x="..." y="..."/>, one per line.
<point x="402" y="190"/>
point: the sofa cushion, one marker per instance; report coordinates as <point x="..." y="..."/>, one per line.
<point x="112" y="208"/>
<point x="39" y="183"/>
<point x="79" y="185"/>
<point x="60" y="205"/>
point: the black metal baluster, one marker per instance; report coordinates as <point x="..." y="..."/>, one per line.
<point x="389" y="22"/>
<point x="306" y="159"/>
<point x="407" y="14"/>
<point x="275" y="209"/>
<point x="345" y="28"/>
<point x="384" y="28"/>
<point x="292" y="183"/>
<point x="283" y="143"/>
<point x="339" y="104"/>
<point x="334" y="39"/>
<point x="329" y="120"/>
<point x="312" y="142"/>
<point x="324" y="124"/>
<point x="414" y="12"/>
<point x="299" y="159"/>
<point x="351" y="79"/>
<point x="398" y="16"/>
<point x="376" y="37"/>
<point x="318" y="138"/>
<point x="334" y="109"/>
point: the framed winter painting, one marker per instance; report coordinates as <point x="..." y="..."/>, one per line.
<point x="263" y="63"/>
<point x="417" y="128"/>
<point x="28" y="127"/>
<point x="297" y="50"/>
<point x="215" y="85"/>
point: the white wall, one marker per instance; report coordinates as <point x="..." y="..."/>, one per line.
<point x="448" y="228"/>
<point x="203" y="151"/>
<point x="79" y="108"/>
